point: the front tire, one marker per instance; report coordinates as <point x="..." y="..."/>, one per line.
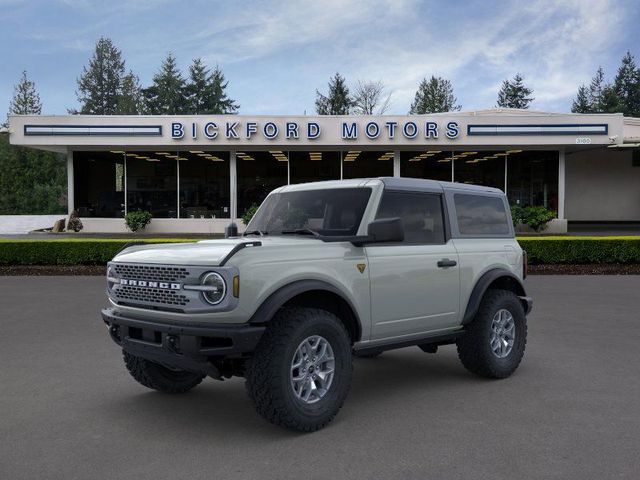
<point x="300" y="372"/>
<point x="157" y="377"/>
<point x="495" y="340"/>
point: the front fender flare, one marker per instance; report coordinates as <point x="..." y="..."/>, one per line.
<point x="277" y="299"/>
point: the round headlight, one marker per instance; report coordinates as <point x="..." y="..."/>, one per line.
<point x="216" y="288"/>
<point x="110" y="279"/>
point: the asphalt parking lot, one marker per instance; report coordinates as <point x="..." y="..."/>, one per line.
<point x="68" y="408"/>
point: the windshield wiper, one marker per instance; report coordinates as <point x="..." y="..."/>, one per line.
<point x="254" y="232"/>
<point x="300" y="231"/>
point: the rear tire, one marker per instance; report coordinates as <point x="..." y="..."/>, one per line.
<point x="157" y="377"/>
<point x="495" y="340"/>
<point x="272" y="374"/>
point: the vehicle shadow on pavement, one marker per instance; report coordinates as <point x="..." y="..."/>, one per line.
<point x="222" y="409"/>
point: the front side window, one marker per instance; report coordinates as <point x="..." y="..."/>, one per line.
<point x="329" y="212"/>
<point x="421" y="215"/>
<point x="481" y="215"/>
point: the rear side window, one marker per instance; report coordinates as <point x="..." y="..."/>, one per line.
<point x="421" y="214"/>
<point x="481" y="215"/>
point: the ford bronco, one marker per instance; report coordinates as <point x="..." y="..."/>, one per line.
<point x="324" y="272"/>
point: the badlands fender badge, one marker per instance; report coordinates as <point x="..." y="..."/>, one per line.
<point x="361" y="267"/>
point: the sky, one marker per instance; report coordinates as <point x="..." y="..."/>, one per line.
<point x="275" y="54"/>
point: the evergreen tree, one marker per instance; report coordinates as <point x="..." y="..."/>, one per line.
<point x="514" y="93"/>
<point x="31" y="181"/>
<point x="26" y="100"/>
<point x="130" y="100"/>
<point x="337" y="101"/>
<point x="206" y="92"/>
<point x="222" y="103"/>
<point x="167" y="96"/>
<point x="100" y="84"/>
<point x="434" y="95"/>
<point x="581" y="104"/>
<point x="596" y="88"/>
<point x="627" y="86"/>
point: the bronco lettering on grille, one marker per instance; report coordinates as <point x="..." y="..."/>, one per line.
<point x="150" y="284"/>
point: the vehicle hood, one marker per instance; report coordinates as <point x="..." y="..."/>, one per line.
<point x="205" y="252"/>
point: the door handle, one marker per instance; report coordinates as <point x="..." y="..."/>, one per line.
<point x="445" y="263"/>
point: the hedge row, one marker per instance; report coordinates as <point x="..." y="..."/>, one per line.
<point x="541" y="250"/>
<point x="66" y="252"/>
<point x="581" y="250"/>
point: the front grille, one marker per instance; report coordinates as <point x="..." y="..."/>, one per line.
<point x="153" y="273"/>
<point x="133" y="294"/>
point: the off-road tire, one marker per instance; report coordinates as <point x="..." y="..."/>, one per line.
<point x="268" y="376"/>
<point x="155" y="376"/>
<point x="474" y="348"/>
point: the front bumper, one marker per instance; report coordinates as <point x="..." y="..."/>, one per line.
<point x="188" y="348"/>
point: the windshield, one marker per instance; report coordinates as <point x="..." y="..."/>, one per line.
<point x="336" y="211"/>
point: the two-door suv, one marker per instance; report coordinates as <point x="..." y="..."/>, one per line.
<point x="323" y="272"/>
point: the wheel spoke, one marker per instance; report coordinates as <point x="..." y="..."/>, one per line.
<point x="503" y="333"/>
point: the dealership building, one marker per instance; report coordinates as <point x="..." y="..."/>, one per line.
<point x="196" y="173"/>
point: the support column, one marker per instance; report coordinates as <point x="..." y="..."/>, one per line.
<point x="396" y="163"/>
<point x="70" y="193"/>
<point x="233" y="184"/>
<point x="561" y="183"/>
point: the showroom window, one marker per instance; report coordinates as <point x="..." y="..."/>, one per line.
<point x="365" y="164"/>
<point x="429" y="164"/>
<point x="204" y="184"/>
<point x="152" y="183"/>
<point x="480" y="168"/>
<point x="314" y="166"/>
<point x="532" y="178"/>
<point x="258" y="173"/>
<point x="99" y="184"/>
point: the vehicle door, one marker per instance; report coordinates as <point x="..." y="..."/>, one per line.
<point x="415" y="283"/>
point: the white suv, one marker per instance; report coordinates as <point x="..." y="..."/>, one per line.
<point x="323" y="272"/>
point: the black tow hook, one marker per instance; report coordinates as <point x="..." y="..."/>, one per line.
<point x="114" y="331"/>
<point x="173" y="343"/>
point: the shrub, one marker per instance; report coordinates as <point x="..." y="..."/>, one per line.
<point x="538" y="217"/>
<point x="535" y="217"/>
<point x="249" y="213"/>
<point x="137" y="220"/>
<point x="71" y="251"/>
<point x="74" y="222"/>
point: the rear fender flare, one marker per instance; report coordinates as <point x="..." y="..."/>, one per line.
<point x="483" y="284"/>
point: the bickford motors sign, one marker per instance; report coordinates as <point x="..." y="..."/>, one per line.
<point x="290" y="130"/>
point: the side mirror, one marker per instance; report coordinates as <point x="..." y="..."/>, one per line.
<point x="386" y="230"/>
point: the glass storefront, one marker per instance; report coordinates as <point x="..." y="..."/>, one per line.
<point x="258" y="173"/>
<point x="197" y="184"/>
<point x="99" y="184"/>
<point x="152" y="183"/>
<point x="479" y="168"/>
<point x="532" y="178"/>
<point x="367" y="164"/>
<point x="204" y="184"/>
<point x="431" y="164"/>
<point x="314" y="166"/>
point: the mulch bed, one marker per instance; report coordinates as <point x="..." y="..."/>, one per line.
<point x="39" y="270"/>
<point x="99" y="270"/>
<point x="591" y="269"/>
